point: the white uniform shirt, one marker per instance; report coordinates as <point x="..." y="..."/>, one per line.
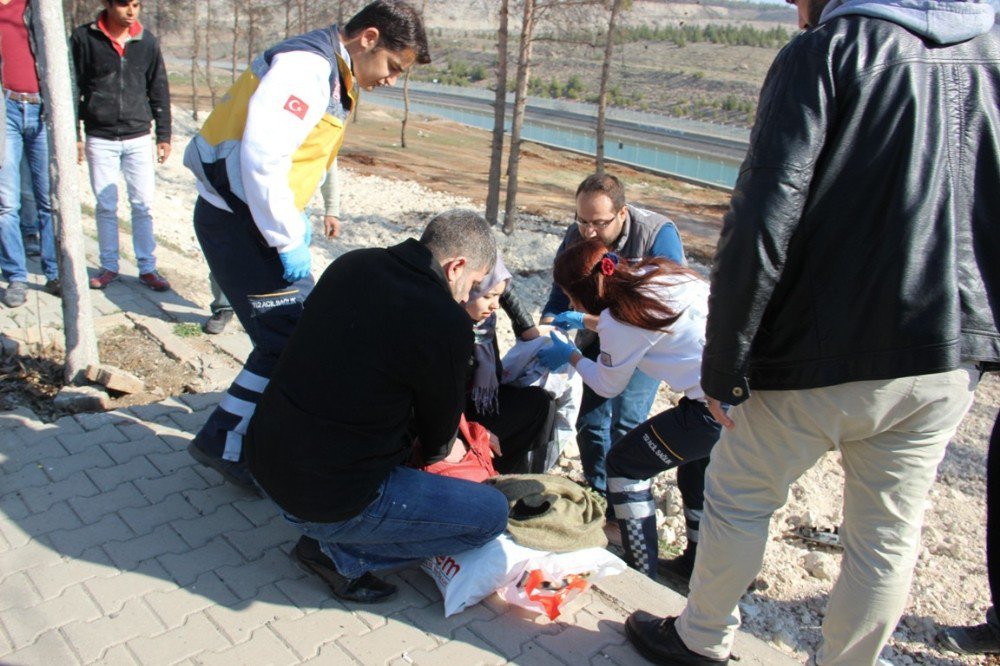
<point x="672" y="356"/>
<point x="289" y="101"/>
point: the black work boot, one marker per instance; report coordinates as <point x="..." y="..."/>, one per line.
<point x="678" y="570"/>
<point x="365" y="589"/>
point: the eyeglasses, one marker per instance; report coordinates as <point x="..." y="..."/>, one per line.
<point x="595" y="224"/>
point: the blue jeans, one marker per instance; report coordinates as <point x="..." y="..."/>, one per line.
<point x="29" y="212"/>
<point x="25" y="135"/>
<point x="416" y="515"/>
<point x="250" y="276"/>
<point x="603" y="421"/>
<point x="133" y="158"/>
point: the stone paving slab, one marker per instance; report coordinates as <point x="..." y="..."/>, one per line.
<point x="115" y="547"/>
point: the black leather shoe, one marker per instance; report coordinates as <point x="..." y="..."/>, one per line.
<point x="975" y="639"/>
<point x="366" y="589"/>
<point x="231" y="471"/>
<point x="656" y="639"/>
<point x="677" y="570"/>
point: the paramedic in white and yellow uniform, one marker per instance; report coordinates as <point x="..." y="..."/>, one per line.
<point x="258" y="159"/>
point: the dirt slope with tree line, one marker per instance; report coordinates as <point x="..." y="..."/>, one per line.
<point x="700" y="60"/>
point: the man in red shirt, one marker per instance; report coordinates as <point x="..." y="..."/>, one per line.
<point x="25" y="134"/>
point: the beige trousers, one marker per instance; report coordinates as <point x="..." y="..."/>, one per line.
<point x="891" y="435"/>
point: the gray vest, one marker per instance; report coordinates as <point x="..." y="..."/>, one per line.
<point x="638" y="234"/>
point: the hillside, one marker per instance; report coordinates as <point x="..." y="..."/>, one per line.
<point x="700" y="60"/>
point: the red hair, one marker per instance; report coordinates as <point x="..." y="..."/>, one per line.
<point x="595" y="279"/>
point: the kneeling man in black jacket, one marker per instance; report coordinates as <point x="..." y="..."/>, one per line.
<point x="378" y="358"/>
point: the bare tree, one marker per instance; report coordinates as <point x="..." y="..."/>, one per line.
<point x="406" y="109"/>
<point x="499" y="119"/>
<point x="602" y="98"/>
<point x="60" y="120"/>
<point x="520" y="97"/>
<point x="196" y="42"/>
<point x="236" y="40"/>
<point x="77" y="12"/>
<point x="406" y="94"/>
<point x="208" y="50"/>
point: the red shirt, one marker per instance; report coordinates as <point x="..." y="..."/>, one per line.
<point x="18" y="71"/>
<point x="133" y="30"/>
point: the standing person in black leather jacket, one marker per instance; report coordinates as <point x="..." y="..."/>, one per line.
<point x="857" y="280"/>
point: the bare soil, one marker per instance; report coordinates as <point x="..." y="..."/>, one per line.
<point x="33" y="381"/>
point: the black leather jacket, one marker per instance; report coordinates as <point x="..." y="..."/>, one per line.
<point x="863" y="239"/>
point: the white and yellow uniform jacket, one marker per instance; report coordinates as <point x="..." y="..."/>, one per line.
<point x="270" y="141"/>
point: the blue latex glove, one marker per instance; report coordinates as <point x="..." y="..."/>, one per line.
<point x="569" y="320"/>
<point x="557" y="354"/>
<point x="296" y="262"/>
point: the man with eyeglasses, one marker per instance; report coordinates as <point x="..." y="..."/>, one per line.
<point x="632" y="233"/>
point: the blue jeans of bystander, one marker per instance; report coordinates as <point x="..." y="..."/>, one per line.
<point x="25" y="134"/>
<point x="108" y="160"/>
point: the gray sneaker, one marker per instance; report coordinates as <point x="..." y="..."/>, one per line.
<point x="16" y="295"/>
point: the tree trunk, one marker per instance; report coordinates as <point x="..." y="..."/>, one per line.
<point x="406" y="109"/>
<point x="520" y="98"/>
<point x="602" y="98"/>
<point x="236" y="41"/>
<point x="251" y="29"/>
<point x="288" y="20"/>
<point x="60" y="121"/>
<point x="499" y="119"/>
<point x="406" y="95"/>
<point x="196" y="41"/>
<point x="208" y="51"/>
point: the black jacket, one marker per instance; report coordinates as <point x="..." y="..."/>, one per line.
<point x="863" y="239"/>
<point x="120" y="96"/>
<point x="380" y="355"/>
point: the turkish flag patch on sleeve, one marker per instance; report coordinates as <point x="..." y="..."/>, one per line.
<point x="296" y="106"/>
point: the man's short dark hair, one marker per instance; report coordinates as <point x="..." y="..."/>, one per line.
<point x="606" y="184"/>
<point x="461" y="233"/>
<point x="399" y="27"/>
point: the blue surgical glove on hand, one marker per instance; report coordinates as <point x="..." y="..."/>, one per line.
<point x="569" y="320"/>
<point x="296" y="263"/>
<point x="557" y="354"/>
